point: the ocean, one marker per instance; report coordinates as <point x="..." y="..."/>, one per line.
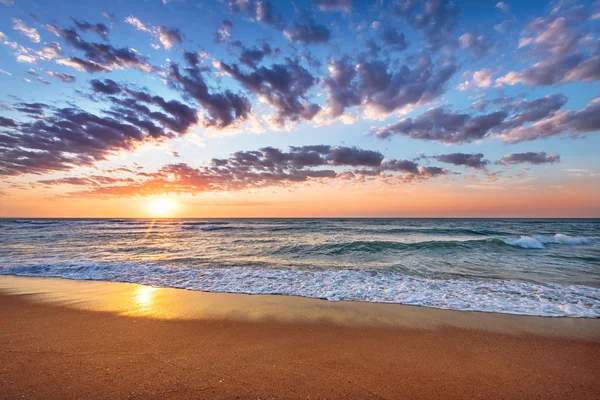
<point x="545" y="267"/>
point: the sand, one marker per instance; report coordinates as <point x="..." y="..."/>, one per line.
<point x="70" y="340"/>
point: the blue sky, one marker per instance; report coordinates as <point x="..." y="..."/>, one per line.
<point x="469" y="94"/>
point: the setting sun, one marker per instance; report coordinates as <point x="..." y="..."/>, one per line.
<point x="161" y="207"/>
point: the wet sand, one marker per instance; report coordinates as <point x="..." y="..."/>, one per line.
<point x="71" y="339"/>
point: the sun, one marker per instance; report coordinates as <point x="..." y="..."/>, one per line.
<point x="161" y="207"/>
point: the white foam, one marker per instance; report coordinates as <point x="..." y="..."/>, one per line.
<point x="538" y="242"/>
<point x="525" y="242"/>
<point x="502" y="296"/>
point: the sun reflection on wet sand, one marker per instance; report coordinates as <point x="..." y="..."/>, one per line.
<point x="144" y="299"/>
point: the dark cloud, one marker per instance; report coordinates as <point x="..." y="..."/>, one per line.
<point x="435" y="18"/>
<point x="283" y="86"/>
<point x="100" y="57"/>
<point x="262" y="10"/>
<point x="535" y="110"/>
<point x="382" y="89"/>
<point x="223" y="109"/>
<point x="99" y="29"/>
<point x="61" y="77"/>
<point x="33" y="109"/>
<point x="517" y="121"/>
<point x="468" y="160"/>
<point x="574" y="123"/>
<point x="179" y="117"/>
<point x="308" y="33"/>
<point x="443" y="126"/>
<point x="252" y="57"/>
<point x="355" y="157"/>
<point x="7" y="122"/>
<point x="334" y="5"/>
<point x="108" y="86"/>
<point x="261" y="168"/>
<point x="529" y="157"/>
<point x="393" y="39"/>
<point x="59" y="139"/>
<point x="411" y="168"/>
<point x="265" y="13"/>
<point x="224" y="32"/>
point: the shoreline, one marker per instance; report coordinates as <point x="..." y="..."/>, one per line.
<point x="69" y="339"/>
<point x="138" y="300"/>
<point x="29" y="284"/>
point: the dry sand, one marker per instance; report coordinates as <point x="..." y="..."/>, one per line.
<point x="72" y="340"/>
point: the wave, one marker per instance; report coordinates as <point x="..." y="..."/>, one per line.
<point x="378" y="246"/>
<point x="35" y="222"/>
<point x="206" y="227"/>
<point x="501" y="296"/>
<point x="539" y="242"/>
<point x="200" y="223"/>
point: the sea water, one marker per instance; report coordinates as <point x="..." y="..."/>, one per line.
<point x="546" y="267"/>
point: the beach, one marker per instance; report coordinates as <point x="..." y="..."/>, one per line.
<point x="74" y="339"/>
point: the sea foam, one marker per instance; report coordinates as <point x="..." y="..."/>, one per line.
<point x="502" y="296"/>
<point x="538" y="242"/>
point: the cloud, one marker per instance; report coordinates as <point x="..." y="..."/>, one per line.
<point x="31" y="33"/>
<point x="381" y="90"/>
<point x="469" y="160"/>
<point x="435" y="18"/>
<point x="99" y="29"/>
<point x="535" y="110"/>
<point x="50" y="51"/>
<point x="478" y="44"/>
<point x="99" y="57"/>
<point x="225" y="109"/>
<point x="283" y="86"/>
<point x="562" y="50"/>
<point x="529" y="157"/>
<point x="137" y="24"/>
<point x="574" y="123"/>
<point x="179" y="117"/>
<point x="165" y="35"/>
<point x="334" y="5"/>
<point x="265" y="13"/>
<point x="61" y="77"/>
<point x="261" y="10"/>
<point x="7" y="122"/>
<point x="83" y="65"/>
<point x="224" y="32"/>
<point x="266" y="167"/>
<point x="502" y="5"/>
<point x="307" y="33"/>
<point x="252" y="57"/>
<point x="447" y="127"/>
<point x="393" y="40"/>
<point x="59" y="139"/>
<point x="517" y="121"/>
<point x="477" y="79"/>
<point x="168" y="36"/>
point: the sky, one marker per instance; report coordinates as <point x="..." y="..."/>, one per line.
<point x="306" y="108"/>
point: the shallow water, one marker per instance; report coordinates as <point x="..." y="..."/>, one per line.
<point x="533" y="267"/>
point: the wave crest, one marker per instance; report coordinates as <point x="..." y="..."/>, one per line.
<point x="539" y="242"/>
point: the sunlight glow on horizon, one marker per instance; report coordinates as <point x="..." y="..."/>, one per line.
<point x="161" y="207"/>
